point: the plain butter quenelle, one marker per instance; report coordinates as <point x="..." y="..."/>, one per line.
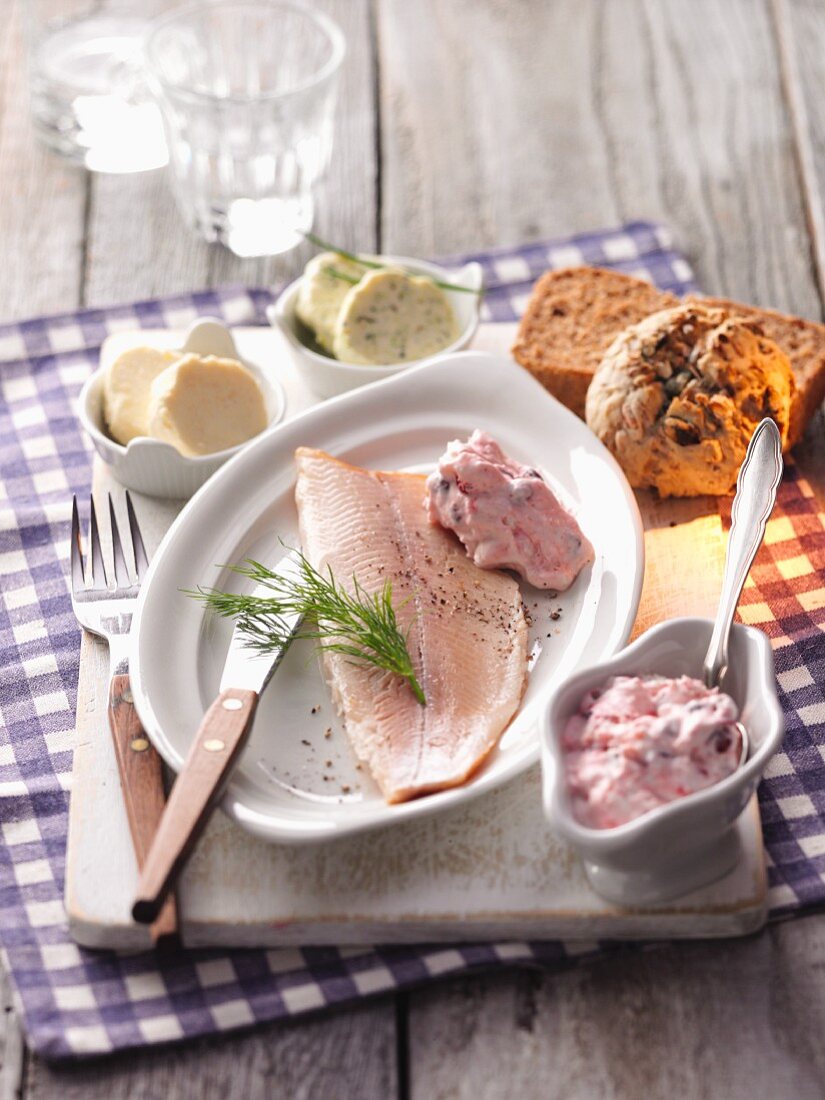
<point x="126" y="387"/>
<point x="639" y="742"/>
<point x="199" y="404"/>
<point x="202" y="405"/>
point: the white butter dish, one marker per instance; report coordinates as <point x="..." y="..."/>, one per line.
<point x="150" y="465"/>
<point x="327" y="376"/>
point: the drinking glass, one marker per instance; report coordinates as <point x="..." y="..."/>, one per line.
<point x="247" y="92"/>
<point x="89" y="98"/>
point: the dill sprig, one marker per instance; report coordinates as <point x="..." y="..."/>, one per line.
<point x="358" y="624"/>
<point x="325" y="246"/>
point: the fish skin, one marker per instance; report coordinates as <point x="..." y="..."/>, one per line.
<point x="467" y="632"/>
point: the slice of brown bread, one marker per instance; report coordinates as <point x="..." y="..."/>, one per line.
<point x="574" y="315"/>
<point x="804" y="344"/>
<point x="571" y="320"/>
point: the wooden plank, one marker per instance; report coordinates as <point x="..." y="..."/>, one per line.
<point x="520" y="881"/>
<point x="800" y="33"/>
<point x="12" y="1047"/>
<point x="139" y="245"/>
<point x="345" y="1054"/>
<point x="800" y="28"/>
<point x="487" y="113"/>
<point x="693" y="114"/>
<point x="658" y="1023"/>
<point x="503" y="123"/>
<point x="44" y="199"/>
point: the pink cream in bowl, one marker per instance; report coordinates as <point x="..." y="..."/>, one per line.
<point x="640" y="742"/>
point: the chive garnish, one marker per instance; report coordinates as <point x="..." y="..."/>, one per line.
<point x="325" y="246"/>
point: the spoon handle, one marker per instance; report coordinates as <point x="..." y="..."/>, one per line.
<point x="756" y="487"/>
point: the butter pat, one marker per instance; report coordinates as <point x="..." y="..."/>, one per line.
<point x="126" y="387"/>
<point x="393" y="317"/>
<point x="321" y="294"/>
<point x="203" y="405"/>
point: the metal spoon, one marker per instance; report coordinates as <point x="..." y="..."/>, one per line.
<point x="756" y="488"/>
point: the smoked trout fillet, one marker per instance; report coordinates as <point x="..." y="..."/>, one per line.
<point x="467" y="631"/>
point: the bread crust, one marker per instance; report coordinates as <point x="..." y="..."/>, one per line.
<point x="678" y="396"/>
<point x="804" y="344"/>
<point x="563" y="349"/>
<point x="572" y="318"/>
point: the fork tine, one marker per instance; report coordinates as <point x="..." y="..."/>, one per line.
<point x="99" y="578"/>
<point x="78" y="578"/>
<point x="141" y="560"/>
<point x="122" y="578"/>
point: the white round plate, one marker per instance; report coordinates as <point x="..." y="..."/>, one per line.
<point x="297" y="780"/>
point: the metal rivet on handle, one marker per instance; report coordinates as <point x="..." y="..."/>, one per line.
<point x="140" y="744"/>
<point x="232" y="704"/>
<point x="214" y="745"/>
<point x="128" y="697"/>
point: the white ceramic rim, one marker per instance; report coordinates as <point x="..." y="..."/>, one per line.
<point x="284" y="304"/>
<point x="333" y="32"/>
<point x="608" y="840"/>
<point x="443" y="800"/>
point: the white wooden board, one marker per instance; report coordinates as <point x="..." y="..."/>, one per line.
<point x="488" y="870"/>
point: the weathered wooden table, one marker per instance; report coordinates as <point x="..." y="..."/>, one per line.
<point x="466" y="123"/>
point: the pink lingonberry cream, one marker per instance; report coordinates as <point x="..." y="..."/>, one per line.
<point x="639" y="742"/>
<point x="505" y="514"/>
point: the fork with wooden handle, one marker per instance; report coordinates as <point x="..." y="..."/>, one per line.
<point x="107" y="612"/>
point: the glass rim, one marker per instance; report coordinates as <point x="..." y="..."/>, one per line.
<point x="329" y="27"/>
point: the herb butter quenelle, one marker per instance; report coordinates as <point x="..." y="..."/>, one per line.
<point x="374" y="314"/>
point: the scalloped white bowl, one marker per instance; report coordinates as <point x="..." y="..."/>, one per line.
<point x="329" y="377"/>
<point x="150" y="465"/>
<point x="690" y="842"/>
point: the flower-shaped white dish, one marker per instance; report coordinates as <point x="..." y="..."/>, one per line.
<point x="150" y="465"/>
<point x="690" y="842"/>
<point x="329" y="377"/>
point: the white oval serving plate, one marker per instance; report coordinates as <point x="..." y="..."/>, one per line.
<point x="297" y="780"/>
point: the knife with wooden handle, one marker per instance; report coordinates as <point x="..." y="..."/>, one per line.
<point x="218" y="744"/>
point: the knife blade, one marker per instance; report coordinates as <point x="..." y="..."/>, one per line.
<point x="244" y="666"/>
<point x="215" y="750"/>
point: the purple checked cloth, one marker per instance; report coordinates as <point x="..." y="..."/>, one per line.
<point x="76" y="1002"/>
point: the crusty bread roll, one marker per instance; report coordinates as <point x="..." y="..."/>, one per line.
<point x="574" y="315"/>
<point x="804" y="344"/>
<point x="678" y="396"/>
